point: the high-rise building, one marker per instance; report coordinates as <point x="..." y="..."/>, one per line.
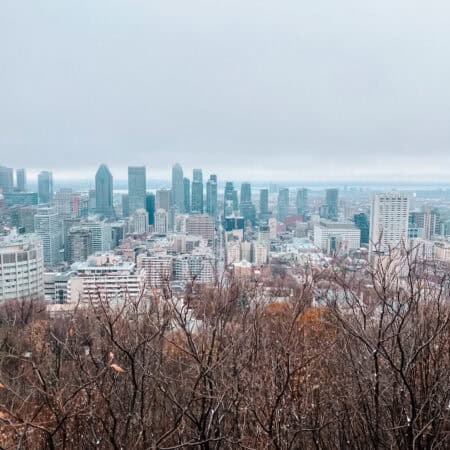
<point x="330" y="208"/>
<point x="211" y="196"/>
<point x="101" y="234"/>
<point x="104" y="192"/>
<point x="139" y="221"/>
<point x="137" y="188"/>
<point x="161" y="221"/>
<point x="125" y="205"/>
<point x="361" y="221"/>
<point x="64" y="200"/>
<point x="389" y="221"/>
<point x="20" y="198"/>
<point x="45" y="187"/>
<point x="228" y="199"/>
<point x="246" y="207"/>
<point x="177" y="188"/>
<point x="201" y="225"/>
<point x="283" y="203"/>
<point x="246" y="192"/>
<point x="21" y="180"/>
<point x="197" y="192"/>
<point x="48" y="227"/>
<point x="187" y="194"/>
<point x="162" y="200"/>
<point x="21" y="267"/>
<point x="23" y="217"/>
<point x="302" y="201"/>
<point x="264" y="213"/>
<point x="150" y="207"/>
<point x="79" y="244"/>
<point x="6" y="179"/>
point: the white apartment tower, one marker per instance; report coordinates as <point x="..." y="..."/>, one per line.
<point x="389" y="221"/>
<point x="21" y="267"/>
<point x="47" y="227"/>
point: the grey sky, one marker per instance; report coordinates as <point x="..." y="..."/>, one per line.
<point x="298" y="90"/>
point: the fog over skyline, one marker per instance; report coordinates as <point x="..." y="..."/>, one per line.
<point x="250" y="90"/>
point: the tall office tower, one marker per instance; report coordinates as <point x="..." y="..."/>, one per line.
<point x="361" y="221"/>
<point x="101" y="233"/>
<point x="425" y="222"/>
<point x="23" y="217"/>
<point x="79" y="244"/>
<point x="246" y="192"/>
<point x="150" y="207"/>
<point x="331" y="207"/>
<point x="137" y="188"/>
<point x="91" y="201"/>
<point x="389" y="221"/>
<point x="45" y="187"/>
<point x="6" y="179"/>
<point x="104" y="192"/>
<point x="187" y="195"/>
<point x="235" y="201"/>
<point x="283" y="204"/>
<point x="211" y="196"/>
<point x="197" y="192"/>
<point x="177" y="188"/>
<point x="21" y="180"/>
<point x="228" y="199"/>
<point x="21" y="267"/>
<point x="246" y="207"/>
<point x="264" y="205"/>
<point x="302" y="201"/>
<point x="64" y="202"/>
<point x="47" y="227"/>
<point x="125" y="205"/>
<point x="161" y="221"/>
<point x="162" y="199"/>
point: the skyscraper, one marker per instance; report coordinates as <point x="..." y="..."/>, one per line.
<point x="302" y="201"/>
<point x="283" y="203"/>
<point x="137" y="188"/>
<point x="228" y="199"/>
<point x="162" y="199"/>
<point x="187" y="195"/>
<point x="104" y="191"/>
<point x="246" y="207"/>
<point x="211" y="196"/>
<point x="150" y="207"/>
<point x="197" y="192"/>
<point x="331" y="207"/>
<point x="6" y="179"/>
<point x="45" y="187"/>
<point x="361" y="221"/>
<point x="47" y="227"/>
<point x="264" y="205"/>
<point x="389" y="221"/>
<point x="177" y="189"/>
<point x="21" y="180"/>
<point x="246" y="192"/>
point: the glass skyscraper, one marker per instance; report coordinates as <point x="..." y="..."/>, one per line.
<point x="45" y="187"/>
<point x="137" y="188"/>
<point x="104" y="192"/>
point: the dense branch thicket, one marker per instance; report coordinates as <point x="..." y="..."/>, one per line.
<point x="357" y="361"/>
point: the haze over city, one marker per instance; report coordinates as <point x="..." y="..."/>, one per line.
<point x="255" y="90"/>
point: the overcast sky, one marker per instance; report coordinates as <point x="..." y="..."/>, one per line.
<point x="250" y="89"/>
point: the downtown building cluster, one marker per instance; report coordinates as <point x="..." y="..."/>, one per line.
<point x="192" y="233"/>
